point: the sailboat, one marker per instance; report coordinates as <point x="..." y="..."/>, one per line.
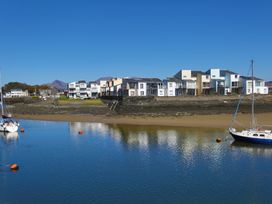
<point x="254" y="134"/>
<point x="7" y="123"/>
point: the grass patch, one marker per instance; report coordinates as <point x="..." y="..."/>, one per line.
<point x="88" y="102"/>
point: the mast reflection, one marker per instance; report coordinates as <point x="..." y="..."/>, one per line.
<point x="9" y="137"/>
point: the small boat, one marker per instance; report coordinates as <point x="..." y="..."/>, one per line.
<point x="254" y="134"/>
<point x="7" y="123"/>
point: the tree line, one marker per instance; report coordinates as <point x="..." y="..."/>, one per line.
<point x="23" y="86"/>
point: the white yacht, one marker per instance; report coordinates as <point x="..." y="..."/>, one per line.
<point x="254" y="134"/>
<point x="7" y="123"/>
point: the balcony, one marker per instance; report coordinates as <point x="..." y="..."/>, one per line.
<point x="206" y="85"/>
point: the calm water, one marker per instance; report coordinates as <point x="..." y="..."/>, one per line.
<point x="130" y="164"/>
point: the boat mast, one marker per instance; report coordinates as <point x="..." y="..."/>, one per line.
<point x="2" y="104"/>
<point x="253" y="122"/>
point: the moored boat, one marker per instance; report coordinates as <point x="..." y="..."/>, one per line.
<point x="7" y="123"/>
<point x="255" y="134"/>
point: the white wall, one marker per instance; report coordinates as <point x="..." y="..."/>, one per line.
<point x="206" y="79"/>
<point x="161" y="92"/>
<point x="171" y="88"/>
<point x="257" y="89"/>
<point x="132" y="92"/>
<point x="141" y="88"/>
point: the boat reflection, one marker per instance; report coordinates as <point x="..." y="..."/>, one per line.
<point x="253" y="149"/>
<point x="8" y="137"/>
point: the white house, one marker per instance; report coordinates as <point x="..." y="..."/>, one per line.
<point x="94" y="89"/>
<point x="129" y="87"/>
<point x="141" y="88"/>
<point x="232" y="79"/>
<point x="217" y="81"/>
<point x="16" y="93"/>
<point x="161" y="89"/>
<point x="171" y="86"/>
<point x="258" y="85"/>
<point x="78" y="90"/>
<point x="189" y="84"/>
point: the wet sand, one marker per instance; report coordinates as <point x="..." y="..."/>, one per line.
<point x="210" y="121"/>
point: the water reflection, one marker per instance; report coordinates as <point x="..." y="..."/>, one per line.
<point x="187" y="142"/>
<point x="8" y="137"/>
<point x="252" y="149"/>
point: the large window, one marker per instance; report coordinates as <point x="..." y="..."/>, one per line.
<point x="234" y="84"/>
<point x="142" y="93"/>
<point x="257" y="83"/>
<point x="141" y="86"/>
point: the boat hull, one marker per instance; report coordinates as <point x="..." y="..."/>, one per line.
<point x="251" y="139"/>
<point x="10" y="128"/>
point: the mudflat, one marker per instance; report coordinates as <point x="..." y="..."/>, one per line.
<point x="209" y="121"/>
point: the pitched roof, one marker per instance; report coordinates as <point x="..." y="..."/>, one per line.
<point x="173" y="79"/>
<point x="194" y="73"/>
<point x="250" y="78"/>
<point x="81" y="81"/>
<point x="135" y="79"/>
<point x="224" y="72"/>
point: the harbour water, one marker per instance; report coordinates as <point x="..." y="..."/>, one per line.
<point x="130" y="164"/>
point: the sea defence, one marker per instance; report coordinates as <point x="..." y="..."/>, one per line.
<point x="149" y="106"/>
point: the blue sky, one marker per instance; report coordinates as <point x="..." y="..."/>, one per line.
<point x="83" y="39"/>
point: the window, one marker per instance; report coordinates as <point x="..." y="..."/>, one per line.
<point x="262" y="135"/>
<point x="236" y="76"/>
<point x="132" y="93"/>
<point x="142" y="93"/>
<point x="234" y="83"/>
<point x="141" y="86"/>
<point x="257" y="83"/>
<point x="207" y="76"/>
<point x="255" y="134"/>
<point x="161" y="92"/>
<point x="170" y="84"/>
<point x="213" y="76"/>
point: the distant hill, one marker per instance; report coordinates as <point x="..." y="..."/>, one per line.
<point x="58" y="85"/>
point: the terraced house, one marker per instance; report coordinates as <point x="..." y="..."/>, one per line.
<point x="142" y="87"/>
<point x="184" y="82"/>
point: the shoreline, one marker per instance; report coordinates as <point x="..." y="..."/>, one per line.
<point x="207" y="121"/>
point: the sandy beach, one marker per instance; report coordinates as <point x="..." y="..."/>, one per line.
<point x="210" y="121"/>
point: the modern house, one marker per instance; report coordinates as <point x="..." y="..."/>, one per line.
<point x="94" y="88"/>
<point x="117" y="86"/>
<point x="269" y="85"/>
<point x="142" y="87"/>
<point x="203" y="83"/>
<point x="217" y="81"/>
<point x="129" y="87"/>
<point x="188" y="82"/>
<point x="232" y="79"/>
<point x="258" y="85"/>
<point x="173" y="86"/>
<point x="78" y="90"/>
